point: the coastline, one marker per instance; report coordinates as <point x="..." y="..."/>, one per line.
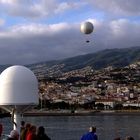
<point x="81" y="113"/>
<point x="58" y="113"/>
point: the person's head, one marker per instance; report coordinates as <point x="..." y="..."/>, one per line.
<point x="32" y="129"/>
<point x="41" y="130"/>
<point x="129" y="138"/>
<point x="118" y="138"/>
<point x="27" y="126"/>
<point x="22" y="123"/>
<point x="92" y="129"/>
<point x="14" y="134"/>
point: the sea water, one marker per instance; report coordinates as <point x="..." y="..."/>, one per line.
<point x="73" y="127"/>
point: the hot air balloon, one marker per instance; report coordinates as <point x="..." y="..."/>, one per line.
<point x="87" y="28"/>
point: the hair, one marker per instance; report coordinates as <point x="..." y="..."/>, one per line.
<point x="14" y="134"/>
<point x="32" y="128"/>
<point x="22" y="123"/>
<point x="129" y="138"/>
<point x="41" y="130"/>
<point x="92" y="129"/>
<point x="28" y="125"/>
<point x="118" y="138"/>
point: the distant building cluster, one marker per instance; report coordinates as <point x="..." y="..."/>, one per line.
<point x="107" y="86"/>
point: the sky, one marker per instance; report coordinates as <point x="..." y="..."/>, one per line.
<point x="33" y="31"/>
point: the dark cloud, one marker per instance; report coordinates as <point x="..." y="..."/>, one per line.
<point x="32" y="43"/>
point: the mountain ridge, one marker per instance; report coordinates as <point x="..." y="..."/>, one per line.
<point x="118" y="57"/>
<point x="98" y="60"/>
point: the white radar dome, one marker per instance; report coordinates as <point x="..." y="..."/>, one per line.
<point x="18" y="86"/>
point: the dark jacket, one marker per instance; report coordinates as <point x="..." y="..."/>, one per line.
<point x="43" y="137"/>
<point x="89" y="136"/>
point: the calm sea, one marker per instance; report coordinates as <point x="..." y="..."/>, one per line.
<point x="73" y="127"/>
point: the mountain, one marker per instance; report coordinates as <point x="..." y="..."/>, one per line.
<point x="3" y="67"/>
<point x="108" y="57"/>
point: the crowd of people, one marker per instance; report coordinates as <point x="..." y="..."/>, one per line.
<point x="31" y="132"/>
<point x="28" y="132"/>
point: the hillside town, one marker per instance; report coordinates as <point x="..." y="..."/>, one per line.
<point x="106" y="88"/>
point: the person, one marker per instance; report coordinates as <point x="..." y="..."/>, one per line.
<point x="22" y="127"/>
<point x="129" y="138"/>
<point x="118" y="138"/>
<point x="1" y="129"/>
<point x="32" y="133"/>
<point x="91" y="135"/>
<point x="41" y="135"/>
<point x="14" y="135"/>
<point x="24" y="133"/>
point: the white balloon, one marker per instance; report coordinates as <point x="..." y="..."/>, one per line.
<point x="87" y="27"/>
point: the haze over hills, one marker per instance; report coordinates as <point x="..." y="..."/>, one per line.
<point x="109" y="57"/>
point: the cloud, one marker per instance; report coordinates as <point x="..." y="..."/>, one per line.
<point x="36" y="8"/>
<point x="8" y="1"/>
<point x="46" y="8"/>
<point x="64" y="6"/>
<point x="20" y="8"/>
<point x="34" y="42"/>
<point x="26" y="44"/>
<point x="118" y="7"/>
<point x="2" y="22"/>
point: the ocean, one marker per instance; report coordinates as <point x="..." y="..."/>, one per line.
<point x="73" y="127"/>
